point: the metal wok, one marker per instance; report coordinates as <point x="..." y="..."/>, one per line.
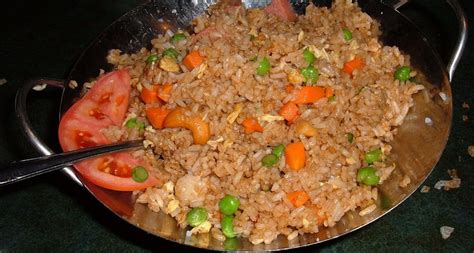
<point x="416" y="149"/>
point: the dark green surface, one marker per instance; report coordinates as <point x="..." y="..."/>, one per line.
<point x="50" y="213"/>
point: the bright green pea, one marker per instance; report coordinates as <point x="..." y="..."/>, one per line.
<point x="139" y="174"/>
<point x="231" y="244"/>
<point x="373" y="156"/>
<point x="347" y="34"/>
<point x="131" y="123"/>
<point x="196" y="216"/>
<point x="140" y="125"/>
<point x="310" y="74"/>
<point x="332" y="98"/>
<point x="229" y="204"/>
<point x="269" y="160"/>
<point x="278" y="150"/>
<point x="308" y="56"/>
<point x="350" y="137"/>
<point x="152" y="58"/>
<point x="368" y="176"/>
<point x="402" y="73"/>
<point x="263" y="67"/>
<point x="177" y="37"/>
<point x="171" y="52"/>
<point x="227" y="226"/>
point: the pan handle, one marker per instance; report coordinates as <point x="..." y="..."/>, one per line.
<point x="22" y="116"/>
<point x="462" y="37"/>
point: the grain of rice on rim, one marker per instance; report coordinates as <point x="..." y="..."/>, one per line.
<point x="225" y="90"/>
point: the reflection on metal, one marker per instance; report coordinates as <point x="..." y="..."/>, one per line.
<point x="416" y="148"/>
<point x="22" y="115"/>
<point x="462" y="37"/>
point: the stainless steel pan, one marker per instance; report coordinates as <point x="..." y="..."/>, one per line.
<point x="416" y="149"/>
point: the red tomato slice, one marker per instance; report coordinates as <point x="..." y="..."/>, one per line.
<point x="81" y="126"/>
<point x="121" y="164"/>
<point x="111" y="93"/>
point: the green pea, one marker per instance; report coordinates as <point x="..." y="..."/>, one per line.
<point x="152" y="58"/>
<point x="227" y="226"/>
<point x="140" y="125"/>
<point x="350" y="137"/>
<point x="308" y="56"/>
<point x="196" y="216"/>
<point x="310" y="74"/>
<point x="373" y="156"/>
<point x="139" y="174"/>
<point x="347" y="34"/>
<point x="178" y="37"/>
<point x="368" y="176"/>
<point x="131" y="123"/>
<point x="332" y="98"/>
<point x="402" y="73"/>
<point x="229" y="204"/>
<point x="171" y="52"/>
<point x="263" y="67"/>
<point x="134" y="123"/>
<point x="278" y="150"/>
<point x="231" y="244"/>
<point x="269" y="160"/>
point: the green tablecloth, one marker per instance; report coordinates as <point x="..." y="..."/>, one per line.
<point x="50" y="213"/>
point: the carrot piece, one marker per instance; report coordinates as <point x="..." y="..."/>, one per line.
<point x="251" y="125"/>
<point x="156" y="116"/>
<point x="149" y="96"/>
<point x="350" y="66"/>
<point x="192" y="60"/>
<point x="289" y="111"/>
<point x="282" y="9"/>
<point x="309" y="94"/>
<point x="298" y="198"/>
<point x="329" y="92"/>
<point x="295" y="156"/>
<point x="164" y="92"/>
<point x="289" y="88"/>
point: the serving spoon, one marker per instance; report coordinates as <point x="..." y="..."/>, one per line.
<point x="28" y="168"/>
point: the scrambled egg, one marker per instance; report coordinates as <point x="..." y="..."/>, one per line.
<point x="233" y="115"/>
<point x="169" y="64"/>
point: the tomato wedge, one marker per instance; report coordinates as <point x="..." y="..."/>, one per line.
<point x="104" y="105"/>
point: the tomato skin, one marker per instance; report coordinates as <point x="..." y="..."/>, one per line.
<point x="104" y="105"/>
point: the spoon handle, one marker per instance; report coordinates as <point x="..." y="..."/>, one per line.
<point x="24" y="169"/>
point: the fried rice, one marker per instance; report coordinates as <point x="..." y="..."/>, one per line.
<point x="224" y="90"/>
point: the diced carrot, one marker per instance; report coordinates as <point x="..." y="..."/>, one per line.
<point x="309" y="94"/>
<point x="298" y="198"/>
<point x="164" y="92"/>
<point x="329" y="92"/>
<point x="192" y="60"/>
<point x="156" y="116"/>
<point x="350" y="66"/>
<point x="289" y="88"/>
<point x="251" y="125"/>
<point x="295" y="156"/>
<point x="149" y="96"/>
<point x="282" y="9"/>
<point x="289" y="111"/>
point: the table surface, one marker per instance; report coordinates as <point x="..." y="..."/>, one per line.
<point x="50" y="213"/>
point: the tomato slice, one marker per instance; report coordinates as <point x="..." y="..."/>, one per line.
<point x="81" y="126"/>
